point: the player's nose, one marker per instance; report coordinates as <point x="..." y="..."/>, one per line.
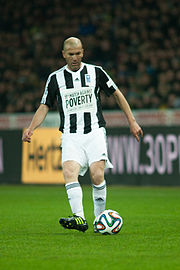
<point x="75" y="57"/>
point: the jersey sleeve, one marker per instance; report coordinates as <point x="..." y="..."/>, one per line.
<point x="50" y="91"/>
<point x="106" y="83"/>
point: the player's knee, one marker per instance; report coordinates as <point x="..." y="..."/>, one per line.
<point x="97" y="176"/>
<point x="68" y="173"/>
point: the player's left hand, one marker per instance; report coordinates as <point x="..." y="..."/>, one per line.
<point x="136" y="130"/>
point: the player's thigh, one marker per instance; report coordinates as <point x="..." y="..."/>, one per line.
<point x="72" y="150"/>
<point x="71" y="170"/>
<point x="96" y="148"/>
<point x="97" y="172"/>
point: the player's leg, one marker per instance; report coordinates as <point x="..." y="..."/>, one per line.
<point x="99" y="186"/>
<point x="98" y="161"/>
<point x="71" y="171"/>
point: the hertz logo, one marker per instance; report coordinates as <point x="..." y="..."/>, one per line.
<point x="41" y="159"/>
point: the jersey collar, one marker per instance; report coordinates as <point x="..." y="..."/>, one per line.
<point x="73" y="72"/>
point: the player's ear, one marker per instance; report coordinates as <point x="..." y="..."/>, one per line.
<point x="63" y="53"/>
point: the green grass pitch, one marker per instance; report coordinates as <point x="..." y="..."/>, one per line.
<point x="31" y="237"/>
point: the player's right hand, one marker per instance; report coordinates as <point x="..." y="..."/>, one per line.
<point x="26" y="137"/>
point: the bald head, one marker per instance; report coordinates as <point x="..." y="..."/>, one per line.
<point x="73" y="53"/>
<point x="72" y="43"/>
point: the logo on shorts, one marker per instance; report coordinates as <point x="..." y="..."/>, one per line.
<point x="87" y="78"/>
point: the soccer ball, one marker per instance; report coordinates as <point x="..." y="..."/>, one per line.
<point x="108" y="222"/>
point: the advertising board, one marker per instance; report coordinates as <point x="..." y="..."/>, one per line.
<point x="41" y="159"/>
<point x="153" y="161"/>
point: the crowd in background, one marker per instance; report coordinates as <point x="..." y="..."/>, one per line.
<point x="136" y="41"/>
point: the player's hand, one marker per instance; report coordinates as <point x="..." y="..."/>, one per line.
<point x="26" y="137"/>
<point x="136" y="130"/>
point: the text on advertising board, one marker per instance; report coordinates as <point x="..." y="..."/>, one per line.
<point x="41" y="159"/>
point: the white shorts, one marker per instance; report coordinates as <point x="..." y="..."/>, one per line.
<point x="85" y="148"/>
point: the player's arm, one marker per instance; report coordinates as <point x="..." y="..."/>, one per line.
<point x="123" y="104"/>
<point x="109" y="87"/>
<point x="37" y="120"/>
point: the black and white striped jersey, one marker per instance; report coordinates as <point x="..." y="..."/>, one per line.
<point x="78" y="97"/>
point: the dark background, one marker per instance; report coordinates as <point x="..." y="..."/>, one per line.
<point x="136" y="41"/>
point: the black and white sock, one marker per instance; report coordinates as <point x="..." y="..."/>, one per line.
<point x="99" y="198"/>
<point x="75" y="196"/>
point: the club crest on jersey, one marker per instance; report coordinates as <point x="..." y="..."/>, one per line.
<point x="87" y="78"/>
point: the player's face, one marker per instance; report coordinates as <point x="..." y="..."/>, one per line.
<point x="73" y="57"/>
